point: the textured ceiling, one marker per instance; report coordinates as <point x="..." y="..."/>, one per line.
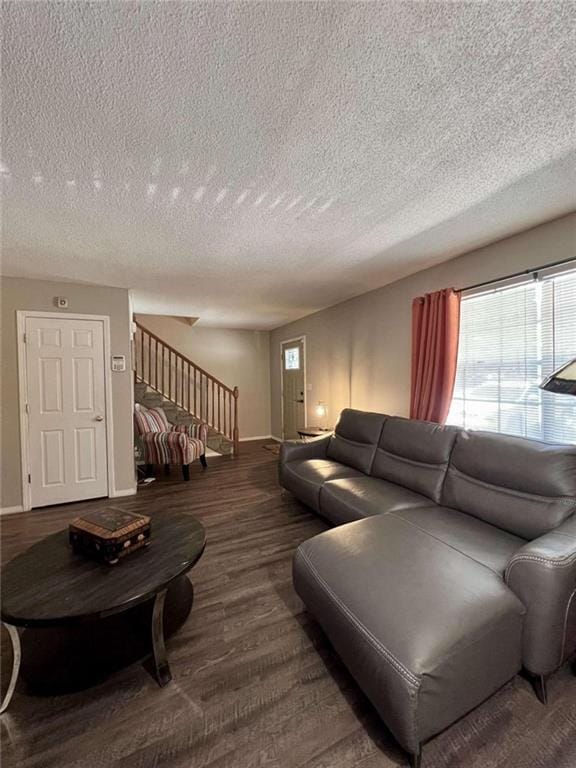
<point x="249" y="163"/>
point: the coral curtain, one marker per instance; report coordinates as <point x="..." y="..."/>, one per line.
<point x="435" y="329"/>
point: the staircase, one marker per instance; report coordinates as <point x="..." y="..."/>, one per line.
<point x="187" y="393"/>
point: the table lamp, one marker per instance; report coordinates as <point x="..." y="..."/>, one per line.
<point x="562" y="381"/>
<point x="321" y="412"/>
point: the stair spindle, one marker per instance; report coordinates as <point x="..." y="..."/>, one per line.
<point x="156" y="365"/>
<point x="201" y="399"/>
<point x="182" y="382"/>
<point x="136" y="366"/>
<point x="219" y="390"/>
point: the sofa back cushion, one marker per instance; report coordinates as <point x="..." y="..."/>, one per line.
<point x="523" y="486"/>
<point x="355" y="438"/>
<point x="414" y="454"/>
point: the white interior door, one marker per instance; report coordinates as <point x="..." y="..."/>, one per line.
<point x="293" y="387"/>
<point x="65" y="382"/>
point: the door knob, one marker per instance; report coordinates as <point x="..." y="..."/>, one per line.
<point x="99" y="418"/>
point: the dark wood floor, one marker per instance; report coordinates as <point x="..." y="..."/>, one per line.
<point x="255" y="683"/>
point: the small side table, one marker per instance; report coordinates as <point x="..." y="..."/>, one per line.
<point x="309" y="432"/>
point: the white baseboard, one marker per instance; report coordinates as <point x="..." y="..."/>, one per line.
<point x="11" y="510"/>
<point x="20" y="508"/>
<point x="256" y="437"/>
<point x="278" y="439"/>
<point x="123" y="492"/>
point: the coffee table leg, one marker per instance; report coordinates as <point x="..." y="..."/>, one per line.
<point x="16" y="658"/>
<point x="161" y="667"/>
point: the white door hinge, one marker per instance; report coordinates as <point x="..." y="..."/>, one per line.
<point x="29" y="479"/>
<point x="27" y="407"/>
<point x="25" y="338"/>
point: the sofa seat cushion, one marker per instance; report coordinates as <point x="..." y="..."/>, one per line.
<point x="481" y="541"/>
<point x="426" y="631"/>
<point x="305" y="477"/>
<point x="353" y="498"/>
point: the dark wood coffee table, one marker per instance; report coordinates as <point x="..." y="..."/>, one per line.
<point x="50" y="586"/>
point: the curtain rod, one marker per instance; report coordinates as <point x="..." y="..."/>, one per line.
<point x="532" y="271"/>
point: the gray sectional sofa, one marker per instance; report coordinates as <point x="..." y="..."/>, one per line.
<point x="452" y="566"/>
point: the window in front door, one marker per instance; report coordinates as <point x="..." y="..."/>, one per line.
<point x="292" y="359"/>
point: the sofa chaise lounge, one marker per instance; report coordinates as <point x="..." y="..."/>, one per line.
<point x="452" y="566"/>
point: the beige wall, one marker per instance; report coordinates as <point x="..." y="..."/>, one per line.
<point x="238" y="358"/>
<point x="358" y="352"/>
<point x="38" y="295"/>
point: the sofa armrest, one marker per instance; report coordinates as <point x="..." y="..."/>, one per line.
<point x="296" y="450"/>
<point x="543" y="575"/>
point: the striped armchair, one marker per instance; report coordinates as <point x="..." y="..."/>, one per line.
<point x="165" y="443"/>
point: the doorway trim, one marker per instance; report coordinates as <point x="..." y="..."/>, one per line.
<point x="301" y="338"/>
<point x="21" y="315"/>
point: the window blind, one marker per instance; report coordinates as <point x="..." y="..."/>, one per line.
<point x="510" y="339"/>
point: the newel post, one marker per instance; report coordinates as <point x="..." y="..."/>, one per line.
<point x="235" y="433"/>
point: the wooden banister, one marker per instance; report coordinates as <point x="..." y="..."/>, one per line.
<point x="186" y="384"/>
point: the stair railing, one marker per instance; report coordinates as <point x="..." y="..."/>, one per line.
<point x="182" y="382"/>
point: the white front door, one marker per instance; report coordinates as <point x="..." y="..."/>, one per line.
<point x="293" y="384"/>
<point x="66" y="409"/>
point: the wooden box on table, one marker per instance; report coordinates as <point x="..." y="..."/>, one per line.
<point x="109" y="534"/>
